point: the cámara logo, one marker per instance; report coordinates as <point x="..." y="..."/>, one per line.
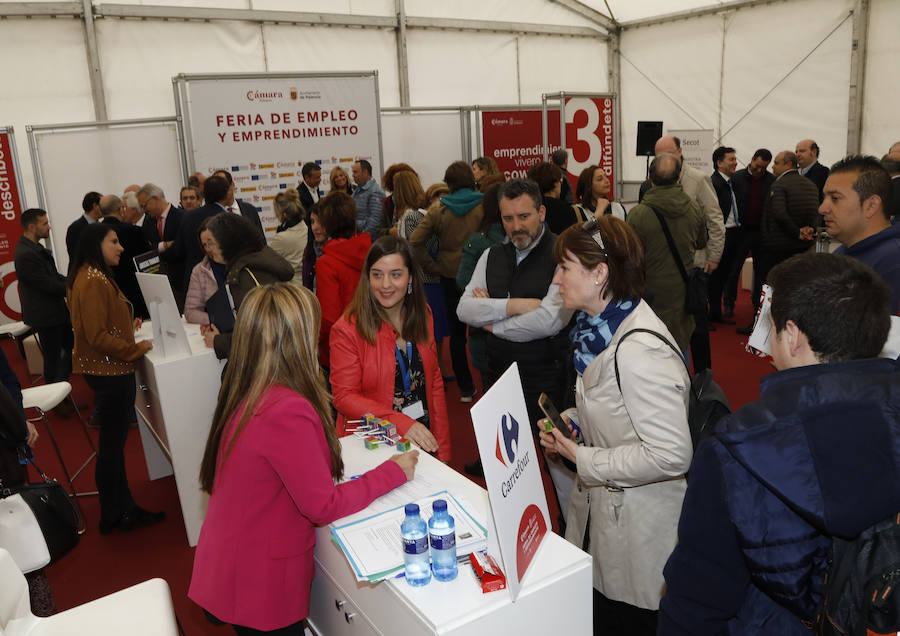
<point x="507" y="440"/>
<point x="264" y="96"/>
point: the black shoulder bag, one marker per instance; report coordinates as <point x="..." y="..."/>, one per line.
<point x="696" y="292"/>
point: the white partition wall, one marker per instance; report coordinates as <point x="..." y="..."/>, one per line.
<point x="73" y="159"/>
<point x="429" y="141"/>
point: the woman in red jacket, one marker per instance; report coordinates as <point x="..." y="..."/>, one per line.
<point x="338" y="269"/>
<point x="271" y="466"/>
<point x="383" y="354"/>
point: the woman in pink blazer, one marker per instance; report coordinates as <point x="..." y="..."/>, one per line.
<point x="271" y="466"/>
<point x="383" y="355"/>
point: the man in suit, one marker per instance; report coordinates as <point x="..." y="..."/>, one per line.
<point x="90" y="205"/>
<point x="161" y="222"/>
<point x="237" y="206"/>
<point x="186" y="247"/>
<point x="42" y="290"/>
<point x="725" y="161"/>
<point x="133" y="212"/>
<point x="891" y="163"/>
<point x="368" y="195"/>
<point x="190" y="198"/>
<point x="751" y="190"/>
<point x="790" y="214"/>
<point x="698" y="187"/>
<point x="131" y="238"/>
<point x="807" y="152"/>
<point x="196" y="180"/>
<point x="308" y="188"/>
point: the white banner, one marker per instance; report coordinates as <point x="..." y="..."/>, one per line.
<point x="512" y="473"/>
<point x="696" y="148"/>
<point x="264" y="128"/>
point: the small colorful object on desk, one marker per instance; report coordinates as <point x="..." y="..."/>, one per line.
<point x="387" y="429"/>
<point x="372" y="443"/>
<point x="370" y="419"/>
<point x="403" y="445"/>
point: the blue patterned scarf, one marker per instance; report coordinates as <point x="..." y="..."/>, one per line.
<point x="591" y="335"/>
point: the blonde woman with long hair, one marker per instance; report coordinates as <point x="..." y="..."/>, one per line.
<point x="272" y="467"/>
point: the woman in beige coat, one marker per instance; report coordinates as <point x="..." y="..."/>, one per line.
<point x="636" y="443"/>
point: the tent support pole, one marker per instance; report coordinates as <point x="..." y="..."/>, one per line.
<point x="402" y="58"/>
<point x="93" y="59"/>
<point x="858" y="48"/>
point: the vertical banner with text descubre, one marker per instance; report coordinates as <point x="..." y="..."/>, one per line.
<point x="263" y="129"/>
<point x="590" y="134"/>
<point x="513" y="139"/>
<point x="11" y="205"/>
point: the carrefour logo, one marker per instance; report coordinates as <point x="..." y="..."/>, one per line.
<point x="507" y="440"/>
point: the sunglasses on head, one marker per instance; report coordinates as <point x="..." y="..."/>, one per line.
<point x="593" y="228"/>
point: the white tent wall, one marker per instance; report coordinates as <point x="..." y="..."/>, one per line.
<point x="313" y="49"/>
<point x="670" y="73"/>
<point x="41" y="84"/>
<point x="139" y="59"/>
<point x="459" y="66"/>
<point x="881" y="125"/>
<point x="762" y="47"/>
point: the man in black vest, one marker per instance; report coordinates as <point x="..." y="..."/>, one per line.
<point x="512" y="297"/>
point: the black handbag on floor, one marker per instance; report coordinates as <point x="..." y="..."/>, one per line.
<point x="59" y="518"/>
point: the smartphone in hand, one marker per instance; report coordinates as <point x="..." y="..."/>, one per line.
<point x="553" y="415"/>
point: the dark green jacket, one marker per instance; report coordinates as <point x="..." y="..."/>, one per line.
<point x="665" y="286"/>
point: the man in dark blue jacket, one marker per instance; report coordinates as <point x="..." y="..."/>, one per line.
<point x="817" y="456"/>
<point x="857" y="194"/>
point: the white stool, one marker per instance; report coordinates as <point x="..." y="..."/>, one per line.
<point x="17" y="332"/>
<point x="46" y="397"/>
<point x="144" y="609"/>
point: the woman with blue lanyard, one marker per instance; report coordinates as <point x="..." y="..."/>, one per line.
<point x="383" y="353"/>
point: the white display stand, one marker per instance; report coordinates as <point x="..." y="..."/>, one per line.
<point x="555" y="596"/>
<point x="176" y="399"/>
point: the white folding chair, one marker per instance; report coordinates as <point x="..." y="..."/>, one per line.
<point x="45" y="397"/>
<point x="144" y="609"/>
<point x="17" y="332"/>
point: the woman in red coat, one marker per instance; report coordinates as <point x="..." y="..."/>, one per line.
<point x="338" y="269"/>
<point x="271" y="466"/>
<point x="383" y="355"/>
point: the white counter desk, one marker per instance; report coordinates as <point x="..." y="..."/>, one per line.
<point x="556" y="596"/>
<point x="175" y="401"/>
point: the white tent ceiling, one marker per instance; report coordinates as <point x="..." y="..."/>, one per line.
<point x="629" y="10"/>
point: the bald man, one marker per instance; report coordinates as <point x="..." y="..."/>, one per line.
<point x="132" y="240"/>
<point x="699" y="188"/>
<point x="807" y="152"/>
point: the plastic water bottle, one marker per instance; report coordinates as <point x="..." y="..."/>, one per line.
<point x="415" y="547"/>
<point x="442" y="534"/>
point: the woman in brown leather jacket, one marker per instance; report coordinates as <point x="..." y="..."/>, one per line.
<point x="105" y="351"/>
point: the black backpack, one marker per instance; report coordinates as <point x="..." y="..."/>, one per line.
<point x="707" y="403"/>
<point x="860" y="595"/>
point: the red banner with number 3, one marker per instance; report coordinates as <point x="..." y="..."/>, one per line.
<point x="590" y="130"/>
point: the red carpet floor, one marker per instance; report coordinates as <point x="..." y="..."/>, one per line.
<point x="100" y="565"/>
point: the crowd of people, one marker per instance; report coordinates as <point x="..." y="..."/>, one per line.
<point x="344" y="309"/>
